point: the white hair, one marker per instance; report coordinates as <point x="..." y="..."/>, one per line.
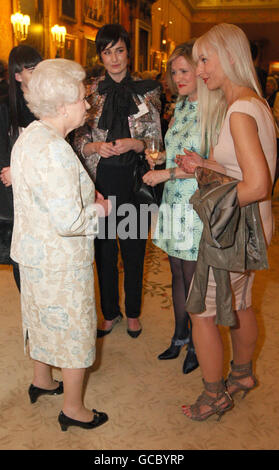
<point x="234" y="52"/>
<point x="54" y="82"/>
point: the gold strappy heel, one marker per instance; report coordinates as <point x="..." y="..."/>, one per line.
<point x="218" y="404"/>
<point x="239" y="372"/>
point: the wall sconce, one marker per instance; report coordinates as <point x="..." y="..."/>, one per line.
<point x="20" y="25"/>
<point x="59" y="35"/>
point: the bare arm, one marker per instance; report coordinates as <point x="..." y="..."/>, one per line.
<point x="256" y="184"/>
<point x="160" y="176"/>
<point x="191" y="160"/>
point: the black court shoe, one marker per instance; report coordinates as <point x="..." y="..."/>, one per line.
<point x="173" y="351"/>
<point x="36" y="392"/>
<point x="101" y="333"/>
<point x="134" y="333"/>
<point x="98" y="419"/>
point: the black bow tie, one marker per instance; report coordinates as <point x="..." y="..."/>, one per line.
<point x="119" y="102"/>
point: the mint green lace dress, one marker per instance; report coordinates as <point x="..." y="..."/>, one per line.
<point x="178" y="229"/>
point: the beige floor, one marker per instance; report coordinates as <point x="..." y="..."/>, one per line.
<point x="143" y="396"/>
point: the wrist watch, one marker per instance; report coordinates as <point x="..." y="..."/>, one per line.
<point x="172" y="174"/>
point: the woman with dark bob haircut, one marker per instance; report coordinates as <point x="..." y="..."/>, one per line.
<point x="111" y="34"/>
<point x="124" y="114"/>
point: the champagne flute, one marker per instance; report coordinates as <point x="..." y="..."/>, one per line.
<point x="153" y="148"/>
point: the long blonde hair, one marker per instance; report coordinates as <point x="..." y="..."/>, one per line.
<point x="233" y="49"/>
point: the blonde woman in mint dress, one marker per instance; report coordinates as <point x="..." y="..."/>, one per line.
<point x="179" y="228"/>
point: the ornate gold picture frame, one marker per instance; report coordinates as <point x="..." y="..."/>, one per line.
<point x="94" y="12"/>
<point x="68" y="10"/>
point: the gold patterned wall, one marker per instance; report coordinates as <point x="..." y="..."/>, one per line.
<point x="171" y="22"/>
<point x="5" y="30"/>
<point x="82" y="19"/>
<point x="196" y="5"/>
<point x="259" y="19"/>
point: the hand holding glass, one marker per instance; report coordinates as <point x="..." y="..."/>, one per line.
<point x="153" y="148"/>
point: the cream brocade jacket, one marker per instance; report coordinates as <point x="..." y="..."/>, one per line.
<point x="141" y="128"/>
<point x="55" y="217"/>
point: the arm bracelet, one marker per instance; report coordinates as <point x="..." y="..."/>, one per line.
<point x="172" y="174"/>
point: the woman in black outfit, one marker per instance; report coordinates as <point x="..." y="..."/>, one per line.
<point x="14" y="115"/>
<point x="124" y="113"/>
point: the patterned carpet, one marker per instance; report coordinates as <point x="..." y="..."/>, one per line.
<point x="143" y="396"/>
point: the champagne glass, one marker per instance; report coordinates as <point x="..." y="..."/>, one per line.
<point x="153" y="147"/>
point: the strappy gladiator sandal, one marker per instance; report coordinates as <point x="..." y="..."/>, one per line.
<point x="219" y="404"/>
<point x="242" y="371"/>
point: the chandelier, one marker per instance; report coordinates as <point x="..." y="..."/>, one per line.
<point x="59" y="35"/>
<point x="20" y="24"/>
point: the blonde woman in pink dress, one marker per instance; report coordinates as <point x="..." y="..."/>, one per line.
<point x="240" y="128"/>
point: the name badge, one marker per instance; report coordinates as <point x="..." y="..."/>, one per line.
<point x="143" y="109"/>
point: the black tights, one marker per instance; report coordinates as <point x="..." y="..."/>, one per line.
<point x="182" y="273"/>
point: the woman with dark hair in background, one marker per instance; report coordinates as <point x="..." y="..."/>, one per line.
<point x="14" y="115"/>
<point x="124" y="114"/>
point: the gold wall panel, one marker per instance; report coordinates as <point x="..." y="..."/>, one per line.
<point x="231" y="4"/>
<point x="236" y="16"/>
<point x="6" y="31"/>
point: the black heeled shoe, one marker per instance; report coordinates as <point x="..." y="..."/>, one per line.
<point x="101" y="333"/>
<point x="191" y="361"/>
<point x="36" y="392"/>
<point x="134" y="333"/>
<point x="98" y="419"/>
<point x="173" y="351"/>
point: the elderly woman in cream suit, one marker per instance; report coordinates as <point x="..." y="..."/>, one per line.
<point x="56" y="217"/>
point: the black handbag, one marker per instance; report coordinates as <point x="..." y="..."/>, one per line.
<point x="143" y="193"/>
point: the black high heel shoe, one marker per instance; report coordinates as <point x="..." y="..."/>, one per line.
<point x="101" y="333"/>
<point x="98" y="419"/>
<point x="191" y="361"/>
<point x="173" y="351"/>
<point x="36" y="392"/>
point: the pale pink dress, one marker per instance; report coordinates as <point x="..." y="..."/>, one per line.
<point x="224" y="153"/>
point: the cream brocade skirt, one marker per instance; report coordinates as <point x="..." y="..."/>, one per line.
<point x="59" y="316"/>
